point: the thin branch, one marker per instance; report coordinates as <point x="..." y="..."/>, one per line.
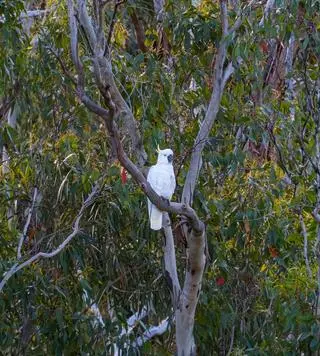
<point x="151" y="332"/>
<point x="204" y="131"/>
<point x="86" y="22"/>
<point x="76" y="230"/>
<point x="240" y="17"/>
<point x="267" y="11"/>
<point x="305" y="245"/>
<point x="282" y="163"/>
<point x="308" y="156"/>
<point x="112" y="24"/>
<point x="220" y="78"/>
<point x="74" y="38"/>
<point x="231" y="340"/>
<point x="315" y="214"/>
<point x="34" y="13"/>
<point x="227" y="74"/>
<point x="26" y="226"/>
<point x="170" y="261"/>
<point x="133" y="320"/>
<point x="224" y="17"/>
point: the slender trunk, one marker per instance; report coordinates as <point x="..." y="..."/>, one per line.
<point x="185" y="312"/>
<point x="12" y="122"/>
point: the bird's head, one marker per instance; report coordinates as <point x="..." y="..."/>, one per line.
<point x="165" y="156"/>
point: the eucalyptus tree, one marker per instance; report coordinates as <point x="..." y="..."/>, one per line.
<point x="99" y="84"/>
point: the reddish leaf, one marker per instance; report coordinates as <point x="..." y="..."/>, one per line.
<point x="220" y="281"/>
<point x="273" y="251"/>
<point x="264" y="47"/>
<point x="123" y="174"/>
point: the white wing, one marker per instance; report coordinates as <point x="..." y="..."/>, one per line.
<point x="172" y="183"/>
<point x="162" y="180"/>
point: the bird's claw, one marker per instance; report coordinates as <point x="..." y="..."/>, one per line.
<point x="167" y="201"/>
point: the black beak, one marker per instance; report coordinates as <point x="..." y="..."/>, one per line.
<point x="170" y="158"/>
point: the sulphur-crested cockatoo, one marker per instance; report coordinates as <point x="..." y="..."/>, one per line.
<point x="162" y="180"/>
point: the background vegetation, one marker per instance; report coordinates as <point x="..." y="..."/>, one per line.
<point x="258" y="192"/>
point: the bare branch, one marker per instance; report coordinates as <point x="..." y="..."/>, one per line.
<point x="151" y="332"/>
<point x="267" y="11"/>
<point x="227" y="74"/>
<point x="316" y="214"/>
<point x="240" y="17"/>
<point x="93" y="106"/>
<point x="74" y="38"/>
<point x="104" y="79"/>
<point x="86" y="23"/>
<point x="133" y="320"/>
<point x="305" y="244"/>
<point x="205" y="128"/>
<point x="26" y="226"/>
<point x="224" y="17"/>
<point x="113" y="22"/>
<point x="34" y="13"/>
<point x="220" y="78"/>
<point x="170" y="261"/>
<point x="76" y="230"/>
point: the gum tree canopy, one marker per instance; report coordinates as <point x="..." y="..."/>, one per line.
<point x="88" y="90"/>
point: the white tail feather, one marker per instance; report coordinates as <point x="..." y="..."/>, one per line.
<point x="155" y="216"/>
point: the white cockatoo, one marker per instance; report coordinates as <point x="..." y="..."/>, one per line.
<point x="162" y="180"/>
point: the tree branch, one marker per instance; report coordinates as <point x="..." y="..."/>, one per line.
<point x="267" y="11"/>
<point x="113" y="22"/>
<point x="305" y="245"/>
<point x="224" y="17"/>
<point x="170" y="261"/>
<point x="152" y="332"/>
<point x="206" y="126"/>
<point x="86" y="23"/>
<point x="108" y="116"/>
<point x="34" y="13"/>
<point x="74" y="41"/>
<point x="26" y="226"/>
<point x="76" y="230"/>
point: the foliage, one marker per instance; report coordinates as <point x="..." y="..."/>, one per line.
<point x="257" y="296"/>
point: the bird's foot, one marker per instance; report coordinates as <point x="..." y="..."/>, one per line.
<point x="167" y="201"/>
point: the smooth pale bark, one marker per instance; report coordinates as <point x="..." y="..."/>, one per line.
<point x="196" y="241"/>
<point x="185" y="313"/>
<point x="185" y="300"/>
<point x="170" y="261"/>
<point x="12" y="122"/>
<point x="305" y="245"/>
